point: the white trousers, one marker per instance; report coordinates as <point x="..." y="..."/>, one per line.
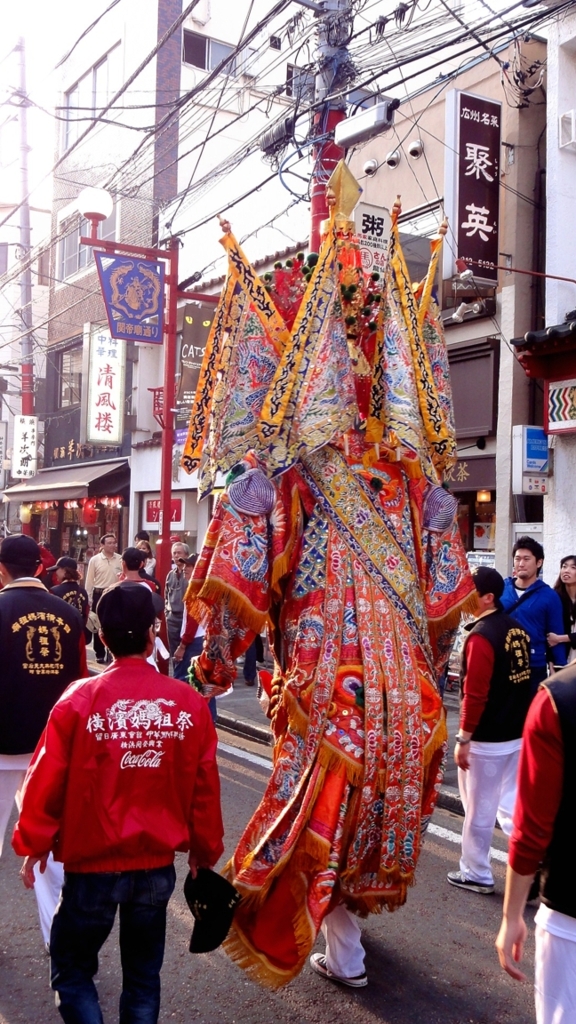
<point x="344" y="949"/>
<point x="47" y="886"/>
<point x="555" y="979"/>
<point x="488" y="792"/>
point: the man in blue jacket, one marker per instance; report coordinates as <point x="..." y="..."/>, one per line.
<point x="535" y="606"/>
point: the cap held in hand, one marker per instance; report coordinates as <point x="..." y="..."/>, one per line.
<point x="212" y="900"/>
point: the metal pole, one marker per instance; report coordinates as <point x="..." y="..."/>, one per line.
<point x="27" y="376"/>
<point x="25" y="247"/>
<point x="163" y="546"/>
<point x="333" y="35"/>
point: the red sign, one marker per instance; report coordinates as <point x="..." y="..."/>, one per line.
<point x="153" y="510"/>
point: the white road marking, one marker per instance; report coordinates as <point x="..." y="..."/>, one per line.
<point x="435" y="830"/>
<point x="453" y="837"/>
<point x="246" y="755"/>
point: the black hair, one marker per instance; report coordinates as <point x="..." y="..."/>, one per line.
<point x="529" y="544"/>
<point x="17" y="571"/>
<point x="105" y="535"/>
<point x="123" y="644"/>
<point x="133" y="558"/>
<point x="142" y="535"/>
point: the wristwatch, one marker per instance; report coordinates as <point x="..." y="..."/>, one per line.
<point x="460" y="739"/>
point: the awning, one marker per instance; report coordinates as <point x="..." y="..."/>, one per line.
<point x="80" y="481"/>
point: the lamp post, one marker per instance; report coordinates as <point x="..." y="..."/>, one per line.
<point x="95" y="204"/>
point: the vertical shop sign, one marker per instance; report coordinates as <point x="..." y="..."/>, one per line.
<point x="472" y="182"/>
<point x="25" y="453"/>
<point x="195" y="330"/>
<point x="373" y="230"/>
<point x="479" y="183"/>
<point x="105" y="414"/>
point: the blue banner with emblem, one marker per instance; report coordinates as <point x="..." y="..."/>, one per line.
<point x="133" y="291"/>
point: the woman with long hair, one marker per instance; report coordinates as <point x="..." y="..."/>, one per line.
<point x="565" y="587"/>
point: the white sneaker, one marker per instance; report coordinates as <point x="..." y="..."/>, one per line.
<point x="318" y="964"/>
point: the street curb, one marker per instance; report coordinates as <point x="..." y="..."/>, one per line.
<point x="448" y="798"/>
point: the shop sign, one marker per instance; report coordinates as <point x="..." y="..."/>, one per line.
<point x="475" y="474"/>
<point x="196" y="326"/>
<point x="479" y="183"/>
<point x="152" y="512"/>
<point x="3" y="439"/>
<point x="561" y="406"/>
<point x="372" y="225"/>
<point x="25" y="450"/>
<point x="473" y="132"/>
<point x="105" y="413"/>
<point x="133" y="291"/>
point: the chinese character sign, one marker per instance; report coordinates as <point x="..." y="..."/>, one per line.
<point x="152" y="512"/>
<point x="195" y="330"/>
<point x="133" y="291"/>
<point x="25" y="451"/>
<point x="105" y="413"/>
<point x="373" y="230"/>
<point x="478" y="145"/>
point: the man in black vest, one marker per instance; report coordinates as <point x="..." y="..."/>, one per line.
<point x="495" y="696"/>
<point x="42" y="651"/>
<point x="543" y="839"/>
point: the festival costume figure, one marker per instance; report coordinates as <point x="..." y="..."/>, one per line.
<point x="328" y="402"/>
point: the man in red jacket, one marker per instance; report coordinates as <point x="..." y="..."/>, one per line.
<point x="124" y="775"/>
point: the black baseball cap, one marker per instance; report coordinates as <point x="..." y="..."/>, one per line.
<point x="126" y="608"/>
<point x="212" y="900"/>
<point x="65" y="562"/>
<point x="20" y="550"/>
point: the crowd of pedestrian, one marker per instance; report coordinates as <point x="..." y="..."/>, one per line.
<point x="115" y="772"/>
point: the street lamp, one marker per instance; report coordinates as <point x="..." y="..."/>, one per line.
<point x="95" y="205"/>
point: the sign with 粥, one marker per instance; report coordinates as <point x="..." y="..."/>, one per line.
<point x="373" y="229"/>
<point x="25" y="450"/>
<point x="105" y="410"/>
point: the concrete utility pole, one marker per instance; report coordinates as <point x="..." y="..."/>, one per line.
<point x="334" y="30"/>
<point x="25" y="248"/>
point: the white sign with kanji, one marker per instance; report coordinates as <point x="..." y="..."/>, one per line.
<point x="373" y="230"/>
<point x="25" y="450"/>
<point x="105" y="413"/>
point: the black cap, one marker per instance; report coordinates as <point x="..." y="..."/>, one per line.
<point x="488" y="581"/>
<point x="20" y="550"/>
<point x="212" y="900"/>
<point x="65" y="563"/>
<point x="126" y="608"/>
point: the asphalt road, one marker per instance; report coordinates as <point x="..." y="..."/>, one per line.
<point x="433" y="962"/>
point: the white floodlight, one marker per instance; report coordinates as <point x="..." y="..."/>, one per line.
<point x="373" y="121"/>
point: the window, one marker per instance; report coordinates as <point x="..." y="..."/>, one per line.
<point x="417" y="227"/>
<point x="73" y="256"/>
<point x="91" y="93"/>
<point x="43" y="269"/>
<point x="203" y="52"/>
<point x="300" y="83"/>
<point x="69" y="376"/>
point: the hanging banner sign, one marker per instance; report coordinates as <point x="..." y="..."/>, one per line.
<point x="25" y="451"/>
<point x="472" y="185"/>
<point x="195" y="330"/>
<point x="105" y="414"/>
<point x="479" y="184"/>
<point x="133" y="291"/>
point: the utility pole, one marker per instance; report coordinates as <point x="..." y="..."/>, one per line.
<point x="334" y="31"/>
<point x="25" y="248"/>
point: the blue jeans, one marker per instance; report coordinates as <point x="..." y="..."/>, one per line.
<point x="82" y="923"/>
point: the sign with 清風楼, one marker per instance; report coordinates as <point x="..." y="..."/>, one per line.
<point x="105" y="410"/>
<point x="133" y="291"/>
<point x="25" y="448"/>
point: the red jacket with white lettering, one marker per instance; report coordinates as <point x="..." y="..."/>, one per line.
<point x="124" y="775"/>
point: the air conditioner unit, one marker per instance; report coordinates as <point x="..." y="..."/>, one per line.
<point x="354" y="130"/>
<point x="567" y="130"/>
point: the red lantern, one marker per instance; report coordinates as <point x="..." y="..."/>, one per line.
<point x="89" y="512"/>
